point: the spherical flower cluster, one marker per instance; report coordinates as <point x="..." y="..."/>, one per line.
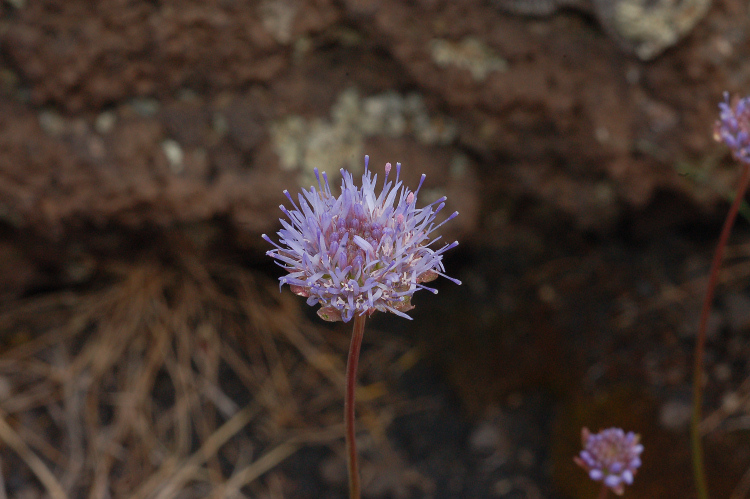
<point x="610" y="456"/>
<point x="361" y="251"/>
<point x="733" y="126"/>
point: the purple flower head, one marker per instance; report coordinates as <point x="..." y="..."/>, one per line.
<point x="361" y="251"/>
<point x="733" y="126"/>
<point x="610" y="456"/>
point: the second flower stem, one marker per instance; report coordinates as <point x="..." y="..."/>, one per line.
<point x="351" y="385"/>
<point x="700" y="343"/>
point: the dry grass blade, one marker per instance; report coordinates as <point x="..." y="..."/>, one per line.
<point x="288" y="325"/>
<point x="743" y="487"/>
<point x="121" y="389"/>
<point x="275" y="456"/>
<point x="45" y="476"/>
<point x="170" y="486"/>
<point x="3" y="495"/>
<point x="266" y="462"/>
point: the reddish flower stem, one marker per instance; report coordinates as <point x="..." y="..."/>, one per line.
<point x="351" y="384"/>
<point x="700" y="343"/>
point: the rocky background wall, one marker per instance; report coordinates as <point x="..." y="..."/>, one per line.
<point x="144" y="145"/>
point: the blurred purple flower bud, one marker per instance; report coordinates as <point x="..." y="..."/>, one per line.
<point x="610" y="456"/>
<point x="733" y="126"/>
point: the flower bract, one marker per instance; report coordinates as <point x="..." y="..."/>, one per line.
<point x="610" y="456"/>
<point x="360" y="251"/>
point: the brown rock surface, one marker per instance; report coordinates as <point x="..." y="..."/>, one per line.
<point x="162" y="112"/>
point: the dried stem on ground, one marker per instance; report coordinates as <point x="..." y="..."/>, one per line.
<point x="189" y="380"/>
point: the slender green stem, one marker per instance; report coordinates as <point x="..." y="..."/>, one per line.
<point x="695" y="433"/>
<point x="603" y="492"/>
<point x="351" y="384"/>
